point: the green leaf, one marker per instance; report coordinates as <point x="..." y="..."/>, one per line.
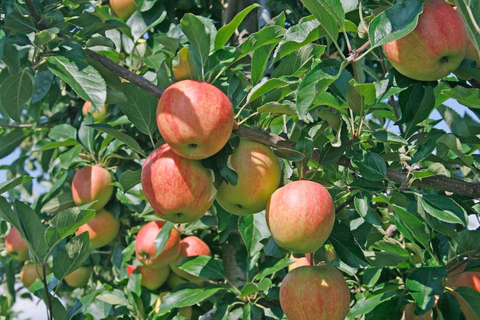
<point x="391" y="247"/>
<point x="67" y="157"/>
<point x="252" y="312"/>
<point x="443" y="208"/>
<point x="186" y="297"/>
<point x="163" y="237"/>
<point x="42" y="85"/>
<point x="253" y="229"/>
<point x="184" y="65"/>
<point x="469" y="97"/>
<point x="11" y="140"/>
<point x="260" y="59"/>
<point x="423" y="284"/>
<point x="62" y="132"/>
<point x="284" y="107"/>
<point x="225" y="32"/>
<point x="12" y="183"/>
<point x="424" y="150"/>
<point x="19" y="23"/>
<point x="371" y="166"/>
<point x="416" y="103"/>
<point x="203" y="266"/>
<point x="15" y="91"/>
<point x="454" y="144"/>
<point x="289" y="154"/>
<point x="129" y="141"/>
<point x="141" y="22"/>
<point x="262" y="88"/>
<point x="270" y="34"/>
<point x="84" y="79"/>
<point x="86" y="134"/>
<point x="298" y="62"/>
<point x="201" y="34"/>
<point x="395" y="22"/>
<point x="411" y="227"/>
<point x="471" y="297"/>
<point x="271" y="266"/>
<point x="72" y="256"/>
<point x="368" y="302"/>
<point x="140" y="108"/>
<point x="365" y="211"/>
<point x="346" y="247"/>
<point x="386" y="136"/>
<point x="31" y="229"/>
<point x="66" y="223"/>
<point x="360" y="96"/>
<point x="322" y="11"/>
<point x="58" y="310"/>
<point x="470" y="12"/>
<point x="130" y="179"/>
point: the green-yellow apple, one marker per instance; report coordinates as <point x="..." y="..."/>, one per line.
<point x="123" y="8"/>
<point x="92" y="183"/>
<point x="145" y="250"/>
<point x="30" y="272"/>
<point x="102" y="229"/>
<point x="79" y="277"/>
<point x="185" y="312"/>
<point x="436" y="46"/>
<point x="98" y="116"/>
<point x="174" y="280"/>
<point x="259" y="175"/>
<point x="195" y="118"/>
<point x="315" y="292"/>
<point x="191" y="246"/>
<point x="15" y="245"/>
<point x="152" y="278"/>
<point x="300" y="216"/>
<point x="179" y="190"/>
<point x="470" y="279"/>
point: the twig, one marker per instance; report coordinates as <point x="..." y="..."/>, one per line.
<point x="345" y="204"/>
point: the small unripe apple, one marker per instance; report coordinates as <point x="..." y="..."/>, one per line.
<point x="174" y="280"/>
<point x="195" y="118"/>
<point x="102" y="229"/>
<point x="16" y="247"/>
<point x="259" y="175"/>
<point x="185" y="312"/>
<point x="152" y="278"/>
<point x="79" y="278"/>
<point x="92" y="183"/>
<point x="191" y="246"/>
<point x="30" y="272"/>
<point x="178" y="189"/>
<point x="145" y="250"/>
<point x="300" y="216"/>
<point x="98" y="116"/>
<point x="123" y="8"/>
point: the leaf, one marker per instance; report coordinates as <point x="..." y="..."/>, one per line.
<point x="130" y="179"/>
<point x="225" y="32"/>
<point x="412" y="227"/>
<point x="86" y="134"/>
<point x="252" y="312"/>
<point x="186" y="297"/>
<point x="58" y="310"/>
<point x="269" y="34"/>
<point x="387" y="136"/>
<point x="320" y="10"/>
<point x="83" y="78"/>
<point x="424" y="283"/>
<point x="15" y="91"/>
<point x="41" y="87"/>
<point x="264" y="87"/>
<point x="285" y="107"/>
<point x="62" y="132"/>
<point x="298" y="62"/>
<point x="31" y="229"/>
<point x="66" y="223"/>
<point x="184" y="65"/>
<point x="469" y="97"/>
<point x="395" y="22"/>
<point x="365" y="211"/>
<point x="72" y="256"/>
<point x="454" y="144"/>
<point x="163" y="237"/>
<point x="253" y="229"/>
<point x="470" y="12"/>
<point x="141" y="22"/>
<point x="201" y="34"/>
<point x="449" y="306"/>
<point x="203" y="266"/>
<point x="346" y="247"/>
<point x="360" y="96"/>
<point x="471" y="297"/>
<point x="289" y="154"/>
<point x="67" y="157"/>
<point x="140" y="108"/>
<point x="271" y="266"/>
<point x="12" y="183"/>
<point x="18" y="23"/>
<point x="369" y="301"/>
<point x="129" y="141"/>
<point x="259" y="63"/>
<point x="11" y="140"/>
<point x="371" y="166"/>
<point x="444" y="209"/>
<point x="416" y="103"/>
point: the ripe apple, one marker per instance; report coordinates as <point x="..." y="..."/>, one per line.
<point x="152" y="278"/>
<point x="123" y="8"/>
<point x="185" y="312"/>
<point x="191" y="246"/>
<point x="314" y="292"/>
<point x="102" y="229"/>
<point x="300" y="216"/>
<point x="179" y="190"/>
<point x="303" y="261"/>
<point x="145" y="246"/>
<point x="98" y="116"/>
<point x="470" y="279"/>
<point x="15" y="245"/>
<point x="30" y="272"/>
<point x="92" y="183"/>
<point x="259" y="175"/>
<point x="195" y="118"/>
<point x="79" y="278"/>
<point x="436" y="46"/>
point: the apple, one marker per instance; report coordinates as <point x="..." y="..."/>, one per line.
<point x="102" y="229"/>
<point x="471" y="53"/>
<point x="92" y="183"/>
<point x="30" y="272"/>
<point x="195" y="118"/>
<point x="436" y="46"/>
<point x="16" y="247"/>
<point x="152" y="278"/>
<point x="191" y="246"/>
<point x="179" y="190"/>
<point x="409" y="313"/>
<point x="315" y="292"/>
<point x="123" y="8"/>
<point x="185" y="312"/>
<point x="259" y="175"/>
<point x="300" y="216"/>
<point x="303" y="261"/>
<point x="98" y="116"/>
<point x="470" y="279"/>
<point x="145" y="246"/>
<point x="174" y="280"/>
<point x="79" y="277"/>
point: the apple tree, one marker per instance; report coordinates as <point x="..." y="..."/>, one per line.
<point x="333" y="96"/>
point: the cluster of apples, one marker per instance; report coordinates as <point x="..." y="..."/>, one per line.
<point x="436" y="47"/>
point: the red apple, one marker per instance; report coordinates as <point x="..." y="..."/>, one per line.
<point x="30" y="272"/>
<point x="195" y="118"/>
<point x="98" y="116"/>
<point x="300" y="216"/>
<point x="90" y="184"/>
<point x="145" y="245"/>
<point x="191" y="246"/>
<point x="15" y="245"/>
<point x="79" y="278"/>
<point x="152" y="278"/>
<point x="102" y="229"/>
<point x="179" y="190"/>
<point x="123" y="8"/>
<point x="314" y="292"/>
<point x="470" y="279"/>
<point x="259" y="175"/>
<point x="436" y="46"/>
